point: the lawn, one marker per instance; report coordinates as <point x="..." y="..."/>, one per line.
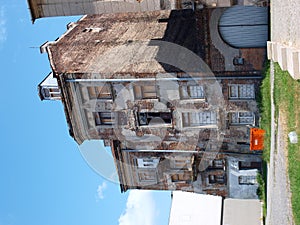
<point x="287" y="100"/>
<point x="264" y="101"/>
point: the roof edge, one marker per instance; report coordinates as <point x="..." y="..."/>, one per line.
<point x="32" y="6"/>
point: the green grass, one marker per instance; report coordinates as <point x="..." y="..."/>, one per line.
<point x="264" y="102"/>
<point x="287" y="100"/>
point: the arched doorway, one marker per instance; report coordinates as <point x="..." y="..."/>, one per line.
<point x="245" y="26"/>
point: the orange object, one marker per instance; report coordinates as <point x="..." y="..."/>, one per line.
<point x="256" y="139"/>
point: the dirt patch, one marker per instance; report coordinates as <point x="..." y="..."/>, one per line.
<point x="282" y="121"/>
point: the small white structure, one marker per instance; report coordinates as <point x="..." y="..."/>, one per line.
<point x="195" y="209"/>
<point x="242" y="211"/>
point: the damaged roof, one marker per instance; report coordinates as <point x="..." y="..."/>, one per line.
<point x="125" y="43"/>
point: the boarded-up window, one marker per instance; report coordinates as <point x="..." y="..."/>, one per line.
<point x="181" y="163"/>
<point x="147" y="176"/>
<point x="194" y="119"/>
<point x="144" y="92"/>
<point x="241" y="91"/>
<point x="193" y="91"/>
<point x="181" y="177"/>
<point x="242" y="118"/>
<point x="100" y="92"/>
<point x="104" y="118"/>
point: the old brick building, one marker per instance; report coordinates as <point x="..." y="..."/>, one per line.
<point x="173" y="99"/>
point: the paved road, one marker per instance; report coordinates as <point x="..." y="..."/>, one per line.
<point x="285" y="17"/>
<point x="279" y="196"/>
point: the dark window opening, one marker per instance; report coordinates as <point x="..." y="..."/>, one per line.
<point x="238" y="61"/>
<point x="104" y="118"/>
<point x="152" y="118"/>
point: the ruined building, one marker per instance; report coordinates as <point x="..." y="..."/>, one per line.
<point x="50" y="8"/>
<point x="172" y="92"/>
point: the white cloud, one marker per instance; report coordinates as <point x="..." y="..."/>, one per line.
<point x="101" y="189"/>
<point x="140" y="209"/>
<point x="2" y="25"/>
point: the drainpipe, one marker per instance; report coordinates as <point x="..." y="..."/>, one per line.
<point x="160" y="79"/>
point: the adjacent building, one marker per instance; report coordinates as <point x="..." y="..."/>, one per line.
<point x="50" y="8"/>
<point x="197" y="209"/>
<point x="172" y="92"/>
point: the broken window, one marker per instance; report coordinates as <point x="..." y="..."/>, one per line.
<point x="154" y="118"/>
<point x="247" y="165"/>
<point x="144" y="92"/>
<point x="147" y="176"/>
<point x="241" y="91"/>
<point x="100" y="92"/>
<point x="247" y="180"/>
<point x="194" y="119"/>
<point x="104" y="118"/>
<point x="192" y="92"/>
<point x="242" y="118"/>
<point x="147" y="162"/>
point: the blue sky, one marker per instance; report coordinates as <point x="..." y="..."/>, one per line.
<point x="44" y="178"/>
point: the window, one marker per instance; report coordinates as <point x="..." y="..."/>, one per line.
<point x="144" y="92"/>
<point x="51" y="92"/>
<point x="153" y="118"/>
<point x="217" y="163"/>
<point x="247" y="165"/>
<point x="147" y="176"/>
<point x="104" y="118"/>
<point x="242" y="118"/>
<point x="219" y="179"/>
<point x="194" y="119"/>
<point x="100" y="92"/>
<point x="180" y="163"/>
<point x="181" y="177"/>
<point x="238" y="61"/>
<point x="248" y="180"/>
<point x="241" y="91"/>
<point x="147" y="162"/>
<point x="194" y="92"/>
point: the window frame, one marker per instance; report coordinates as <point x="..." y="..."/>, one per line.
<point x="187" y="122"/>
<point x="141" y="89"/>
<point x="149" y="162"/>
<point x="238" y="91"/>
<point x="147" y="176"/>
<point x="144" y="118"/>
<point x="186" y="92"/>
<point x="100" y="92"/>
<point x="241" y="117"/>
<point x="101" y="117"/>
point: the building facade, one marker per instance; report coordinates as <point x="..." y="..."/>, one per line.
<point x="174" y="101"/>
